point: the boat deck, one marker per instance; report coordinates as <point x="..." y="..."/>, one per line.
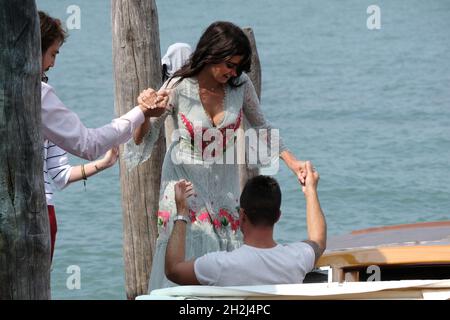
<point x="410" y="251"/>
<point x="427" y="233"/>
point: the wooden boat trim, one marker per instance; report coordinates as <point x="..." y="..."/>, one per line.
<point x="414" y="255"/>
<point x="404" y="226"/>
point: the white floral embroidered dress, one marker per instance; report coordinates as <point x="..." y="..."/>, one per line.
<point x="214" y="210"/>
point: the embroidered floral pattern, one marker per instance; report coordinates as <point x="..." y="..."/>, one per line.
<point x="217" y="223"/>
<point x="235" y="225"/>
<point x="204" y="217"/>
<point x="163" y="218"/>
<point x="226" y="219"/>
<point x="221" y="144"/>
<point x="222" y="221"/>
<point x="192" y="216"/>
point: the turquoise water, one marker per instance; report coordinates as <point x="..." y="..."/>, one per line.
<point x="371" y="109"/>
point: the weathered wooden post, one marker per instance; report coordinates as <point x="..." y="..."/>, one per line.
<point x="137" y="59"/>
<point x="24" y="226"/>
<point x="245" y="172"/>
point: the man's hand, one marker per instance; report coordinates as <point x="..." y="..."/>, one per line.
<point x="311" y="180"/>
<point x="176" y="268"/>
<point x="315" y="220"/>
<point x="183" y="190"/>
<point x="152" y="103"/>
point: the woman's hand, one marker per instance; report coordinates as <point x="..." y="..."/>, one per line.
<point x="152" y="103"/>
<point x="299" y="169"/>
<point x="297" y="166"/>
<point x="108" y="160"/>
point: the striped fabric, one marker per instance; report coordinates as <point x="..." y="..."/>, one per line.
<point x="56" y="169"/>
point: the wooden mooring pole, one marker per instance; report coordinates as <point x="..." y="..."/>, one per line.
<point x="24" y="225"/>
<point x="137" y="66"/>
<point x="246" y="173"/>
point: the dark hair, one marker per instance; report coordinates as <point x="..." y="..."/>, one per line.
<point x="261" y="200"/>
<point x="219" y="42"/>
<point x="164" y="73"/>
<point x="51" y="31"/>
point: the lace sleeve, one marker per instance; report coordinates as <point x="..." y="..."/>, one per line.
<point x="257" y="121"/>
<point x="137" y="154"/>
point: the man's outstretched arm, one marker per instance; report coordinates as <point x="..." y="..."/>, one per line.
<point x="315" y="219"/>
<point x="176" y="268"/>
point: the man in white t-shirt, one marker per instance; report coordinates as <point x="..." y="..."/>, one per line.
<point x="260" y="260"/>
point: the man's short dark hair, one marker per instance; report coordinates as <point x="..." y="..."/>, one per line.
<point x="261" y="200"/>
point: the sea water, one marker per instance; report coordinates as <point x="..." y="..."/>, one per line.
<point x="369" y="107"/>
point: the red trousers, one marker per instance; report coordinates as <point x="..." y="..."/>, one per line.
<point x="53" y="228"/>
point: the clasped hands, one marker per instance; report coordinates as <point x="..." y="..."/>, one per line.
<point x="153" y="103"/>
<point x="301" y="169"/>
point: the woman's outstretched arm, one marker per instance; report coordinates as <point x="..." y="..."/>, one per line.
<point x="141" y="131"/>
<point x="256" y="118"/>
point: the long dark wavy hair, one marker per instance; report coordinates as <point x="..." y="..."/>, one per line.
<point x="219" y="42"/>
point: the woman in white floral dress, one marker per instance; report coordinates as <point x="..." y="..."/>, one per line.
<point x="209" y="97"/>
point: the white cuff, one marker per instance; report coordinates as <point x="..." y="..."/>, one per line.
<point x="135" y="116"/>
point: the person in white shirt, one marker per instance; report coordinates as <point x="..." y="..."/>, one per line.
<point x="63" y="130"/>
<point x="260" y="260"/>
<point x="58" y="174"/>
<point x="61" y="125"/>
